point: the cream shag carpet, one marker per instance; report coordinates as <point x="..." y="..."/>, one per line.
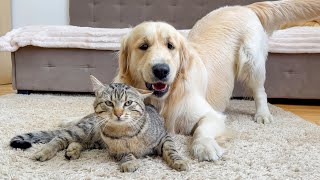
<point x="287" y="149"/>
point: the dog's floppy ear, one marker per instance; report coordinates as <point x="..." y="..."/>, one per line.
<point x="185" y="55"/>
<point x="123" y="56"/>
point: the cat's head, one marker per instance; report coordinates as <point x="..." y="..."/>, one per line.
<point x="117" y="102"/>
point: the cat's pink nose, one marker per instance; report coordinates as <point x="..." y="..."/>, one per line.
<point x="118" y="112"/>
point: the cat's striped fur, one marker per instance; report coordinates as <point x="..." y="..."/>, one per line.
<point x="121" y="123"/>
<point x="85" y="132"/>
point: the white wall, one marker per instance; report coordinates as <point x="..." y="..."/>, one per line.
<point x="39" y="12"/>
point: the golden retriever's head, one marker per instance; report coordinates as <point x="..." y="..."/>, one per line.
<point x="151" y="57"/>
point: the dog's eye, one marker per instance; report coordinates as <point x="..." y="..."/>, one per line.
<point x="109" y="103"/>
<point x="144" y="46"/>
<point x="128" y="103"/>
<point x="170" y="46"/>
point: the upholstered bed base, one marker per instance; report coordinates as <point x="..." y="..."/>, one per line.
<point x="48" y="69"/>
<point x="41" y="69"/>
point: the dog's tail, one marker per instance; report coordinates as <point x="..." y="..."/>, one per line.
<point x="274" y="14"/>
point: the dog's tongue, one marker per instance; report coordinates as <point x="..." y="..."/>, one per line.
<point x="159" y="86"/>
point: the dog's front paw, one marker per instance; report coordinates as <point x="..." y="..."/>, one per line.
<point x="43" y="155"/>
<point x="206" y="149"/>
<point x="180" y="165"/>
<point x="263" y="118"/>
<point x="129" y="166"/>
<point x="73" y="151"/>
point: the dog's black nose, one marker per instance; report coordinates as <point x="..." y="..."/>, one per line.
<point x="161" y="71"/>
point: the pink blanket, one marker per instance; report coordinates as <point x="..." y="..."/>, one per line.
<point x="292" y="40"/>
<point x="295" y="40"/>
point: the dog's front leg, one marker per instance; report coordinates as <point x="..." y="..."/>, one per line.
<point x="204" y="146"/>
<point x="207" y="124"/>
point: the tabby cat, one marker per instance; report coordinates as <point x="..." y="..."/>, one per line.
<point x="122" y="123"/>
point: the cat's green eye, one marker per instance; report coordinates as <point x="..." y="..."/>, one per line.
<point x="128" y="103"/>
<point x="109" y="103"/>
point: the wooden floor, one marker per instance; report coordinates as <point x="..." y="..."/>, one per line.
<point x="6" y="89"/>
<point x="309" y="113"/>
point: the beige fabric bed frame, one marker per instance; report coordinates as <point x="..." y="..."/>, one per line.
<point x="46" y="69"/>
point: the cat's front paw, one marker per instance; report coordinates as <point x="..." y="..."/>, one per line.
<point x="129" y="166"/>
<point x="206" y="149"/>
<point x="180" y="165"/>
<point x="73" y="151"/>
<point x="43" y="155"/>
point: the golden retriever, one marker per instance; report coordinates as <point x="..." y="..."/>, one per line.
<point x="193" y="78"/>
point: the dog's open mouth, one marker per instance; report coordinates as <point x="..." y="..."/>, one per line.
<point x="159" y="89"/>
<point x="159" y="86"/>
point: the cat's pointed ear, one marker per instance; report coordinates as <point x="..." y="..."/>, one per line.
<point x="144" y="93"/>
<point x="96" y="84"/>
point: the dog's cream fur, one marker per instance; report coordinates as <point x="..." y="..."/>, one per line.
<point x="226" y="45"/>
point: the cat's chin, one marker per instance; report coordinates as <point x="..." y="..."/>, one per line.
<point x="114" y="120"/>
<point x="119" y="121"/>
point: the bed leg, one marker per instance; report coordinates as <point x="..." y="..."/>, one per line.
<point x="25" y="92"/>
